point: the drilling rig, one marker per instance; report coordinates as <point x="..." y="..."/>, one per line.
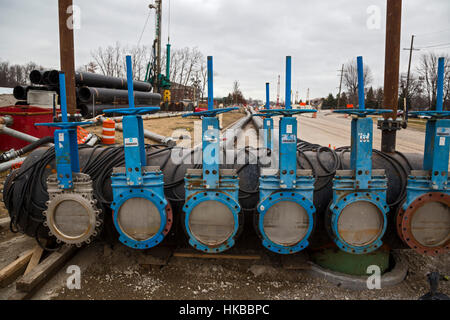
<point x="161" y="83"/>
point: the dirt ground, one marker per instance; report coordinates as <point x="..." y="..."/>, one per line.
<point x="7" y="100"/>
<point x="168" y="127"/>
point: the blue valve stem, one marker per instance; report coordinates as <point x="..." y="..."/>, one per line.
<point x="210" y="84"/>
<point x="62" y="92"/>
<point x="288" y="83"/>
<point x="130" y="82"/>
<point x="440" y="85"/>
<point x="267" y="95"/>
<point x="361" y="83"/>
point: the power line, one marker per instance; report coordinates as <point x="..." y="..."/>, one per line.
<point x="436" y="45"/>
<point x="168" y="24"/>
<point x="433" y="32"/>
<point x="437" y="48"/>
<point x="143" y="29"/>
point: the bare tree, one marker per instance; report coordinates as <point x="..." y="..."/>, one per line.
<point x="351" y="79"/>
<point x="13" y="75"/>
<point x="186" y="64"/>
<point x="427" y="71"/>
<point x="109" y="60"/>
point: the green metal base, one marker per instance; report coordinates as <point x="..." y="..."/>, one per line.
<point x="352" y="264"/>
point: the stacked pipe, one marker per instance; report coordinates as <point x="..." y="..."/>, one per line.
<point x="94" y="92"/>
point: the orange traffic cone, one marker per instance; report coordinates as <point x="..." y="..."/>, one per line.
<point x="109" y="132"/>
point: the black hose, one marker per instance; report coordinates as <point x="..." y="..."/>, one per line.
<point x="6" y="156"/>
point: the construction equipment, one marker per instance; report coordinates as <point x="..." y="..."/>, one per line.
<point x="423" y="221"/>
<point x="161" y="83"/>
<point x="357" y="214"/>
<point x="141" y="213"/>
<point x="286" y="209"/>
<point x="212" y="211"/>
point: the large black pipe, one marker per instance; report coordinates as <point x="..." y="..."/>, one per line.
<point x="37" y="76"/>
<point x="88" y="79"/>
<point x="105" y="96"/>
<point x="21" y="92"/>
<point x="102" y="160"/>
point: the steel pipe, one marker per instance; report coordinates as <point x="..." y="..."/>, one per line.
<point x="17" y="134"/>
<point x="5" y="166"/>
<point x="88" y="79"/>
<point x="116" y="96"/>
<point x="169" y="141"/>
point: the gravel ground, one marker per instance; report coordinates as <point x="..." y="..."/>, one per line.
<point x="117" y="274"/>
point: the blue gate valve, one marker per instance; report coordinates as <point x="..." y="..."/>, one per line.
<point x="141" y="213"/>
<point x="71" y="215"/>
<point x="358" y="218"/>
<point x="286" y="210"/>
<point x="423" y="220"/>
<point x="212" y="211"/>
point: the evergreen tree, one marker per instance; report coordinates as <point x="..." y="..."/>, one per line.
<point x="379" y="98"/>
<point x="329" y="102"/>
<point x="371" y="101"/>
<point x="344" y="100"/>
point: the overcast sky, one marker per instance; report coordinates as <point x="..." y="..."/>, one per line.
<point x="249" y="39"/>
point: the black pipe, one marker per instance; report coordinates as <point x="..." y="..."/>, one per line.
<point x="106" y="96"/>
<point x="45" y="79"/>
<point x="37" y="76"/>
<point x="20" y="92"/>
<point x="89" y="79"/>
<point x="25" y="199"/>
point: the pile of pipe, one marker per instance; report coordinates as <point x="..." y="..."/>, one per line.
<point x="94" y="92"/>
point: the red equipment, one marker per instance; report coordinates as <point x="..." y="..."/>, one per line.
<point x="24" y="118"/>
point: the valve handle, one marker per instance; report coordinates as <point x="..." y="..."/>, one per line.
<point x="431" y="113"/>
<point x="133" y="111"/>
<point x="363" y="113"/>
<point x="284" y="112"/>
<point x="209" y="113"/>
<point x="63" y="125"/>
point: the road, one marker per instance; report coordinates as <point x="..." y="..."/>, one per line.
<point x="331" y="129"/>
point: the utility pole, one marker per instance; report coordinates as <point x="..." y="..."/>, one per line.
<point x="389" y="125"/>
<point x="411" y="49"/>
<point x="340" y="87"/>
<point x="66" y="51"/>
